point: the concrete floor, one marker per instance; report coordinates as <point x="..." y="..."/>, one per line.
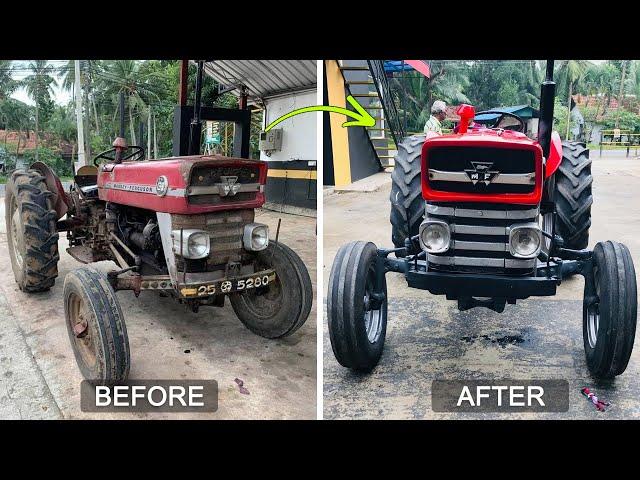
<point x="39" y="378"/>
<point x="428" y="338"/>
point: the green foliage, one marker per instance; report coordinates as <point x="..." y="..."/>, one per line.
<point x="52" y="158"/>
<point x="560" y="116"/>
<point x="627" y="121"/>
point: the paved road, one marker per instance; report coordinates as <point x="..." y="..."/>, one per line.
<point x="428" y="338"/>
<point x="39" y="378"/>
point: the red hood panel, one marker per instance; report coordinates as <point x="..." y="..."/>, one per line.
<point x="134" y="183"/>
<point x="489" y="139"/>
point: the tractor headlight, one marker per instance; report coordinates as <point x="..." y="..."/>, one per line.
<point x="525" y="240"/>
<point x="191" y="244"/>
<point x="256" y="237"/>
<point x="435" y="236"/>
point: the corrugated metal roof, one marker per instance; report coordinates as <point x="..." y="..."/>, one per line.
<point x="264" y="78"/>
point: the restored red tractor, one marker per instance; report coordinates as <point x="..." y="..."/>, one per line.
<point x="181" y="226"/>
<point x="488" y="216"/>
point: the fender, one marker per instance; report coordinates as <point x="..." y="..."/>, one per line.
<point x="60" y="201"/>
<point x="555" y="155"/>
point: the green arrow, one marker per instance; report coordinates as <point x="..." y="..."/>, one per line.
<point x="361" y="116"/>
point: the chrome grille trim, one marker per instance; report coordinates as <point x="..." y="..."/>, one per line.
<point x="480" y="262"/>
<point x="482" y="213"/>
<point x="483" y="246"/>
<point x="504" y="178"/>
<point x="477" y="229"/>
<point x="215" y="189"/>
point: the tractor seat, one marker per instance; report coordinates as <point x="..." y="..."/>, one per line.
<point x="86" y="178"/>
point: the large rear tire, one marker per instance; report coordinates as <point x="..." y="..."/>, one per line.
<point x="407" y="205"/>
<point x="96" y="327"/>
<point x="609" y="317"/>
<point x="32" y="236"/>
<point x="283" y="306"/>
<point x="357" y="326"/>
<point x="573" y="195"/>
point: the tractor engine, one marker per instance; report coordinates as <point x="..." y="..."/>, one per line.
<point x="483" y="193"/>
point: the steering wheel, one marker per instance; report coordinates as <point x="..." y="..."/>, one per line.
<point x="501" y="117"/>
<point x="110" y="155"/>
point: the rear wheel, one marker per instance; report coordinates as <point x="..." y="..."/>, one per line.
<point x="357" y="317"/>
<point x="283" y="306"/>
<point x="407" y="206"/>
<point x="32" y="236"/>
<point x="573" y="197"/>
<point x="609" y="315"/>
<point x="96" y="327"/>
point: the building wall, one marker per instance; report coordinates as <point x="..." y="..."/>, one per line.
<point x="292" y="174"/>
<point x="298" y="132"/>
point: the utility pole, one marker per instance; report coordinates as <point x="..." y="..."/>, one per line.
<point x="78" y="91"/>
<point x="149" y="134"/>
<point x="155" y="137"/>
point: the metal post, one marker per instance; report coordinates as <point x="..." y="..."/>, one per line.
<point x="184" y="80"/>
<point x="196" y="127"/>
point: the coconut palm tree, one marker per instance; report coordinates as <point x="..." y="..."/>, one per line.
<point x="7" y="83"/>
<point x="39" y="86"/>
<point x="123" y="76"/>
<point x="570" y="72"/>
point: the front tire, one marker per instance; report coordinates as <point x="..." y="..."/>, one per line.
<point x="96" y="327"/>
<point x="407" y="206"/>
<point x="573" y="197"/>
<point x="357" y="327"/>
<point x="609" y="319"/>
<point x="32" y="236"/>
<point x="281" y="308"/>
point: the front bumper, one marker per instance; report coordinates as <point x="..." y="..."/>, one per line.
<point x="459" y="285"/>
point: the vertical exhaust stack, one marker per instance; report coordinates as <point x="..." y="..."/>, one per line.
<point x="547" y="97"/>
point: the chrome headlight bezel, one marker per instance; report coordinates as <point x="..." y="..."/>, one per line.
<point x="445" y="228"/>
<point x="514" y="229"/>
<point x="182" y="248"/>
<point x="248" y="239"/>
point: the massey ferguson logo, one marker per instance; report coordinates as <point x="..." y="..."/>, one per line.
<point x="228" y="185"/>
<point x="481" y="173"/>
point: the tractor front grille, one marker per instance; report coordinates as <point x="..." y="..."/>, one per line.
<point x="207" y="184"/>
<point x="225" y="231"/>
<point x="479" y="238"/>
<point x="481" y="170"/>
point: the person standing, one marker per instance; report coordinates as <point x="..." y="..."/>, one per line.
<point x="438" y="114"/>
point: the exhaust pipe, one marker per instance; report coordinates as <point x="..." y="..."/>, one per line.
<point x="547" y="97"/>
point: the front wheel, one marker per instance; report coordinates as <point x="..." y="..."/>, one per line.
<point x="96" y="328"/>
<point x="356" y="311"/>
<point x="282" y="307"/>
<point x="609" y="310"/>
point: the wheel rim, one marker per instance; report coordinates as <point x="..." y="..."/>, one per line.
<point x="593" y="314"/>
<point x="264" y="302"/>
<point x="83" y="335"/>
<point x="17" y="237"/>
<point x="372" y="317"/>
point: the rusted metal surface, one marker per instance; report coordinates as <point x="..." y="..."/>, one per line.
<point x="184" y="82"/>
<point x="81" y="253"/>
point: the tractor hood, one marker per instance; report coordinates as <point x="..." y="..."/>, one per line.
<point x="482" y="165"/>
<point x="185" y="185"/>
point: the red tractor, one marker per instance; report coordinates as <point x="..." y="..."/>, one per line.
<point x="181" y="226"/>
<point x="488" y="216"/>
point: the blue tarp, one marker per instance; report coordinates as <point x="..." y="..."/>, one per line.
<point x="396" y="66"/>
<point x="514" y="110"/>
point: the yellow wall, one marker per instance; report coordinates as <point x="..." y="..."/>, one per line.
<point x="339" y="135"/>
